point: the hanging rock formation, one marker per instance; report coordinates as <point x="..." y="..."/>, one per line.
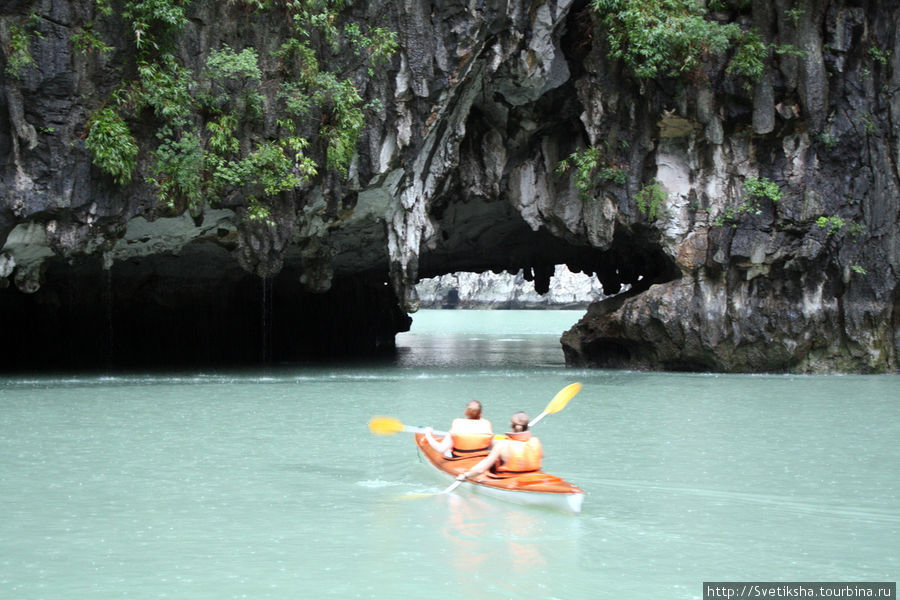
<point x="457" y="169"/>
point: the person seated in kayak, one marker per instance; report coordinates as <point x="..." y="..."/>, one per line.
<point x="520" y="452"/>
<point x="471" y="436"/>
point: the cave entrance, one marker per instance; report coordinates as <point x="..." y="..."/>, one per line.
<point x="501" y="263"/>
<point x="484" y="255"/>
<point x="197" y="309"/>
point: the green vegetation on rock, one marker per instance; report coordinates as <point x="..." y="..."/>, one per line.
<point x="18" y="51"/>
<point x="111" y="145"/>
<point x="661" y="38"/>
<point x="592" y="166"/>
<point x="675" y="38"/>
<point x="211" y="142"/>
<point x="85" y="40"/>
<point x="756" y="190"/>
<point x="651" y="200"/>
<point x="835" y="225"/>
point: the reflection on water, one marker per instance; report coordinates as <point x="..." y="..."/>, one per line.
<point x="464" y="352"/>
<point x="467" y="339"/>
<point x="503" y="549"/>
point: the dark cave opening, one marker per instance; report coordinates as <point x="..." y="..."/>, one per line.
<point x="157" y="313"/>
<point x="200" y="309"/>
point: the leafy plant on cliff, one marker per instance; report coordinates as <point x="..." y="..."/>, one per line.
<point x="879" y="56"/>
<point x="177" y="170"/>
<point x="308" y="90"/>
<point x="834" y="225"/>
<point x="167" y="88"/>
<point x="111" y="145"/>
<point x="828" y="139"/>
<point x="662" y="38"/>
<point x="756" y="190"/>
<point x="18" y="50"/>
<point x="673" y="38"/>
<point x="155" y="22"/>
<point x="235" y="78"/>
<point x="751" y="53"/>
<point x="651" y="200"/>
<point x="380" y="44"/>
<point x="749" y="58"/>
<point x="591" y="167"/>
<point x="164" y="86"/>
<point x="343" y="119"/>
<point x="86" y="40"/>
<point x="729" y="4"/>
<point x="269" y="167"/>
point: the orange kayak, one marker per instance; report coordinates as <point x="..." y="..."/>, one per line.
<point x="537" y="488"/>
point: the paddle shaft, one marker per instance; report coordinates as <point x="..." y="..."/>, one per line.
<point x="412" y="429"/>
<point x="537" y="419"/>
<point x="453" y="486"/>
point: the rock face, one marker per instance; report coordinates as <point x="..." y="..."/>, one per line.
<point x="456" y="169"/>
<point x="507" y="291"/>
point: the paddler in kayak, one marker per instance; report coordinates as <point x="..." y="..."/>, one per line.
<point x="468" y="437"/>
<point x="520" y="452"/>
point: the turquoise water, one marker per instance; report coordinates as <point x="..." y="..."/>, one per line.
<point x="267" y="483"/>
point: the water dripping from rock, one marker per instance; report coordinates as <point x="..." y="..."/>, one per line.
<point x="266" y="321"/>
<point x="108" y="308"/>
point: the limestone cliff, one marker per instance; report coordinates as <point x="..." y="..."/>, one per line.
<point x="284" y="237"/>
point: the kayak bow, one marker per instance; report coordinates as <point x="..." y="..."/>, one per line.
<point x="536" y="488"/>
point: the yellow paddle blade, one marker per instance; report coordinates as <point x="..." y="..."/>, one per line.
<point x="562" y="398"/>
<point x="385" y="425"/>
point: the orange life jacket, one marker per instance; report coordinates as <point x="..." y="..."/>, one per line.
<point x="471" y="437"/>
<point x="524" y="454"/>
